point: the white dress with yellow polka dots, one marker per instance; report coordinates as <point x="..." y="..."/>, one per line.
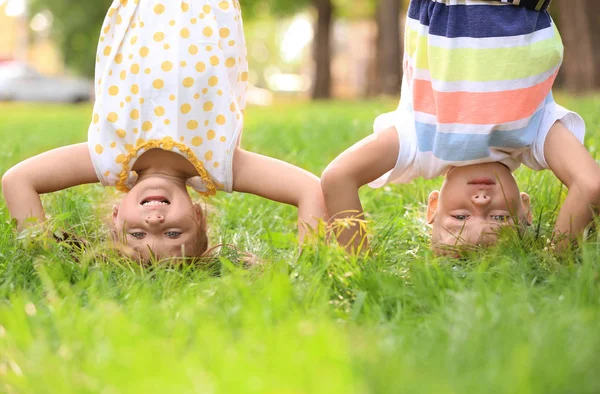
<point x="170" y="74"/>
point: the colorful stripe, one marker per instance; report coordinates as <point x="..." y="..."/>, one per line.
<point x="477" y="76"/>
<point x="477" y="21"/>
<point x="480" y="108"/>
<point x="481" y="64"/>
<point x="457" y="146"/>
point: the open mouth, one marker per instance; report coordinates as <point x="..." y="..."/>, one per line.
<point x="155" y="201"/>
<point x="482" y="181"/>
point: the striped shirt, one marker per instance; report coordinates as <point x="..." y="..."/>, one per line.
<point x="536" y="5"/>
<point x="476" y="88"/>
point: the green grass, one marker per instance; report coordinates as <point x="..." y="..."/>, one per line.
<point x="513" y="319"/>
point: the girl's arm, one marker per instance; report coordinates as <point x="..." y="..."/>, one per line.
<point x="578" y="171"/>
<point x="366" y="161"/>
<point x="48" y="172"/>
<point x="282" y="182"/>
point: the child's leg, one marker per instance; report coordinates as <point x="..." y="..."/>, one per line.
<point x="366" y="161"/>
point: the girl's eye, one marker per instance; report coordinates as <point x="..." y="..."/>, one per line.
<point x="138" y="235"/>
<point x="173" y="234"/>
<point x="460" y="217"/>
<point x="500" y="218"/>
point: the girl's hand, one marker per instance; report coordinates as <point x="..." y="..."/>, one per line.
<point x="48" y="172"/>
<point x="282" y="182"/>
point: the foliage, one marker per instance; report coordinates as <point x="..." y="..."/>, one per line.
<point x="254" y="8"/>
<point x="76" y="28"/>
<point x="344" y="8"/>
<point x="514" y="319"/>
<point x="77" y="24"/>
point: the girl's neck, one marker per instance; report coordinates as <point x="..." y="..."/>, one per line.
<point x="158" y="162"/>
<point x="167" y="174"/>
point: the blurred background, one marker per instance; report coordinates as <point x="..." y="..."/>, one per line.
<point x="310" y="49"/>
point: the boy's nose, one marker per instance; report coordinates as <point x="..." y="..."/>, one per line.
<point x="155" y="219"/>
<point x="481" y="198"/>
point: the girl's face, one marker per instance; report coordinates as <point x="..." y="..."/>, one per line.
<point x="158" y="215"/>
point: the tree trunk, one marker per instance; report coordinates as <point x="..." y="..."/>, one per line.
<point x="322" y="50"/>
<point x="579" y="71"/>
<point x="593" y="10"/>
<point x="389" y="47"/>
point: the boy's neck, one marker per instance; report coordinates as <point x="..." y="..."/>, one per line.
<point x="452" y="168"/>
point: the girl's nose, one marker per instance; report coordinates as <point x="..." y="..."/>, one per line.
<point x="155" y="219"/>
<point x="481" y="198"/>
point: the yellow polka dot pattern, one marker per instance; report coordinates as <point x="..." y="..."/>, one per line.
<point x="170" y="75"/>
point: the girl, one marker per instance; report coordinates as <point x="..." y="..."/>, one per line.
<point x="171" y="78"/>
<point x="476" y="104"/>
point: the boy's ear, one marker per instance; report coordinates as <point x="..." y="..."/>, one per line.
<point x="115" y="213"/>
<point x="432" y="205"/>
<point x="526" y="204"/>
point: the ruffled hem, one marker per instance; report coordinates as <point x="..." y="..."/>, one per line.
<point x="166" y="143"/>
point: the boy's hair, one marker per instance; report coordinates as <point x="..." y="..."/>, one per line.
<point x="464" y="243"/>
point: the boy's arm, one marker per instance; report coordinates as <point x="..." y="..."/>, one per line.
<point x="366" y="161"/>
<point x="576" y="169"/>
<point x="48" y="172"/>
<point x="279" y="181"/>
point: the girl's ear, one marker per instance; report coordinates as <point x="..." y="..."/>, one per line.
<point x="115" y="214"/>
<point x="432" y="205"/>
<point x="199" y="213"/>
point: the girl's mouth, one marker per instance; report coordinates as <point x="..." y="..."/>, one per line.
<point x="155" y="201"/>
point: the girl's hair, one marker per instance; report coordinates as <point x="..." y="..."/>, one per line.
<point x="202" y="245"/>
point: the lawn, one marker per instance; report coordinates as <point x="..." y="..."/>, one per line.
<point x="513" y="319"/>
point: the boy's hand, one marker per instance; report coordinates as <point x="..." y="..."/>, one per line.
<point x="576" y="169"/>
<point x="366" y="161"/>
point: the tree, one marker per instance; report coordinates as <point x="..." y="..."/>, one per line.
<point x="593" y="10"/>
<point x="389" y="65"/>
<point x="77" y="25"/>
<point x="322" y="50"/>
<point x="322" y="42"/>
<point x="579" y="70"/>
<point x="76" y="29"/>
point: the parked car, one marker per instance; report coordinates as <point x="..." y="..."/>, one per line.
<point x="20" y="82"/>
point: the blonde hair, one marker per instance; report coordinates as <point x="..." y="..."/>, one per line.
<point x="466" y="242"/>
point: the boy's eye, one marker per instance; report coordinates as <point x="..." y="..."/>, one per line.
<point x="173" y="234"/>
<point x="500" y="218"/>
<point x="460" y="217"/>
<point x="138" y="235"/>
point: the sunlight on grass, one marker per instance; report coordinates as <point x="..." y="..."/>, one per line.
<point x="513" y="319"/>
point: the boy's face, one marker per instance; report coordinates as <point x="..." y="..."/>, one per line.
<point x="472" y="205"/>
